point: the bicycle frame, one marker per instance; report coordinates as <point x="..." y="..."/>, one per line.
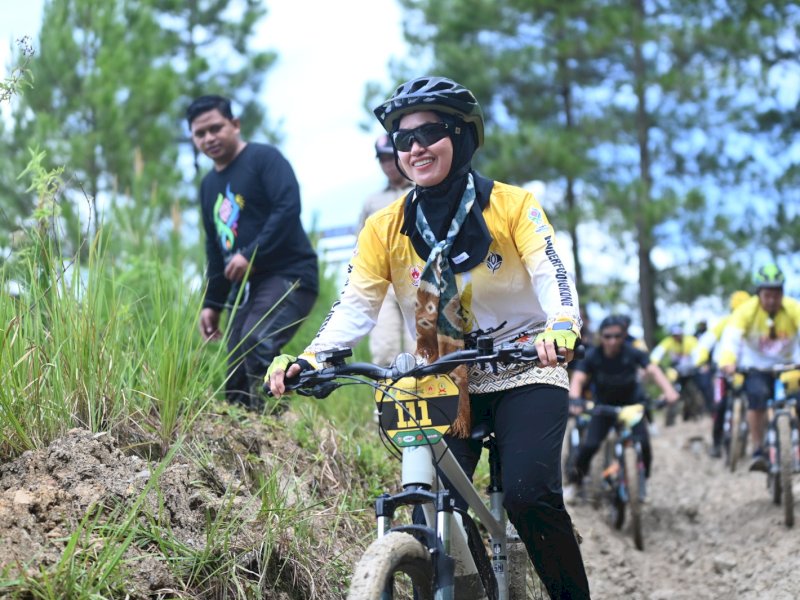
<point x="422" y="405"/>
<point x="778" y="406"/>
<point x="782" y="440"/>
<point x="422" y="486"/>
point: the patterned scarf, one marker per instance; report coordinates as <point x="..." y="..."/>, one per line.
<point x="440" y="321"/>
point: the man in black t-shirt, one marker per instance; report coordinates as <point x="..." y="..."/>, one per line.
<point x="260" y="260"/>
<point x="613" y="368"/>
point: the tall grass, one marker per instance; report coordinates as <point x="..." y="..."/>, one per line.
<point x="99" y="346"/>
<point x="106" y="339"/>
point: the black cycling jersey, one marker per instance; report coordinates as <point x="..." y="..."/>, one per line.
<point x="614" y="380"/>
<point x="252" y="207"/>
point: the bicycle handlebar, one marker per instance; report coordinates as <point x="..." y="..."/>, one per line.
<point x="774" y="369"/>
<point x="321" y="382"/>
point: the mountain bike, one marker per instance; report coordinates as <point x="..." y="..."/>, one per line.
<point x="445" y="558"/>
<point x="735" y="429"/>
<point x="574" y="434"/>
<point x="783" y="439"/>
<point x="623" y="469"/>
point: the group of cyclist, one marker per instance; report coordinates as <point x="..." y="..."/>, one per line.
<point x="760" y="331"/>
<point x="464" y="253"/>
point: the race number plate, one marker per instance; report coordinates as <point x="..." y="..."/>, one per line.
<point x="415" y="412"/>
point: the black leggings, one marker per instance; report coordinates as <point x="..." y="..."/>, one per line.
<point x="259" y="329"/>
<point x="529" y="424"/>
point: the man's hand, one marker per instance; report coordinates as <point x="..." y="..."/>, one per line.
<point x="236" y="268"/>
<point x="671" y="396"/>
<point x="209" y="324"/>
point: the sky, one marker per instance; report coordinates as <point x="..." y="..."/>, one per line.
<point x="334" y="160"/>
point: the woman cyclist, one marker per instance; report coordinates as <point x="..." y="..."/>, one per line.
<point x="464" y="254"/>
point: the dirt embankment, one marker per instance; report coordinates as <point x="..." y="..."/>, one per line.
<point x="206" y="502"/>
<point x="709" y="534"/>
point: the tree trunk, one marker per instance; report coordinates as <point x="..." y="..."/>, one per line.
<point x="572" y="228"/>
<point x="643" y="229"/>
<point x="569" y="196"/>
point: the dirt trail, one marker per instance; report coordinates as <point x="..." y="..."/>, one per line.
<point x="709" y="533"/>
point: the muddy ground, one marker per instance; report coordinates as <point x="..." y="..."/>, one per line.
<point x="709" y="533"/>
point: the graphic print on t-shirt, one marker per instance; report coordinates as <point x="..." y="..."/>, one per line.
<point x="227" y="209"/>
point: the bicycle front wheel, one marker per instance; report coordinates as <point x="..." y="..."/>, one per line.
<point x="738" y="438"/>
<point x="394" y="566"/>
<point x="786" y="468"/>
<point x="634" y="477"/>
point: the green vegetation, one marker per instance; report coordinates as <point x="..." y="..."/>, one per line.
<point x="148" y="484"/>
<point x="110" y="345"/>
<point x="665" y="126"/>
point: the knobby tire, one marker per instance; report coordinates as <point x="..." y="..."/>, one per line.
<point x="737" y="441"/>
<point x="597" y="486"/>
<point x="567" y="450"/>
<point x="784" y="431"/>
<point x="386" y="557"/>
<point x="633" y="475"/>
<point x="693" y="402"/>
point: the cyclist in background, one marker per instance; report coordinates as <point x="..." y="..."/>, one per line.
<point x="674" y="355"/>
<point x="761" y="333"/>
<point x="613" y="368"/>
<point x="390" y="336"/>
<point x="674" y="350"/>
<point x="464" y="253"/>
<point x="706" y="355"/>
<point x="700" y="328"/>
<point x="637" y="343"/>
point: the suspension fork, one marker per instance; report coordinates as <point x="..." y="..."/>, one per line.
<point x="498" y="542"/>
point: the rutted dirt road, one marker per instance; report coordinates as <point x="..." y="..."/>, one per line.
<point x="709" y="533"/>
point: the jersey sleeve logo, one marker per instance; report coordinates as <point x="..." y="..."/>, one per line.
<point x="493" y="261"/>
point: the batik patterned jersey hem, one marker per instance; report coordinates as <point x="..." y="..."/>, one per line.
<point x="508" y="377"/>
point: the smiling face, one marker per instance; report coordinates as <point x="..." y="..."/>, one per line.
<point x="426" y="166"/>
<point x="217" y="137"/>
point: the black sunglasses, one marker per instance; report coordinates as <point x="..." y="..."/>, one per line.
<point x="611" y="336"/>
<point x="425" y="135"/>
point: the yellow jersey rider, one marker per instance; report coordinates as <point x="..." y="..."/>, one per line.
<point x="706" y="355"/>
<point x="761" y="333"/>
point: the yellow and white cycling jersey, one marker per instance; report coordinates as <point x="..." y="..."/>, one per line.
<point x="671" y="352"/>
<point x="708" y="347"/>
<point x="521" y="281"/>
<point x="749" y="341"/>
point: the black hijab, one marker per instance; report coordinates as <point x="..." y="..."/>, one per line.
<point x="440" y="202"/>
